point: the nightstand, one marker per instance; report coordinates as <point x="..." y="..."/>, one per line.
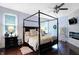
<point x="11" y="42"/>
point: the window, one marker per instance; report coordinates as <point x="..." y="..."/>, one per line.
<point x="10" y="23"/>
<point x="44" y="27"/>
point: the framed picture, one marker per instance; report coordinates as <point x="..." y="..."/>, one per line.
<point x="54" y="26"/>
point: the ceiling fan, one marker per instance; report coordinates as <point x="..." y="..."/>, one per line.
<point x="57" y="8"/>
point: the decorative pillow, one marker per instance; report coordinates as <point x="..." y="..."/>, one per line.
<point x="32" y="32"/>
<point x="27" y="33"/>
<point x="26" y="38"/>
<point x="42" y="32"/>
<point x="37" y="33"/>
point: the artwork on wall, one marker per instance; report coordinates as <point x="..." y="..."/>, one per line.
<point x="54" y="26"/>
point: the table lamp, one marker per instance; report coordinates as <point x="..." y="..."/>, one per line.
<point x="11" y="29"/>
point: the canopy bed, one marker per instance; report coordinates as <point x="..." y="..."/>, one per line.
<point x="34" y="36"/>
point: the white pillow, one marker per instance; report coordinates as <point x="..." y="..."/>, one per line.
<point x="27" y="33"/>
<point x="26" y="38"/>
<point x="32" y="32"/>
<point x="37" y="33"/>
<point x="42" y="32"/>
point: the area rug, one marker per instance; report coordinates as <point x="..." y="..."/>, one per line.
<point x="25" y="50"/>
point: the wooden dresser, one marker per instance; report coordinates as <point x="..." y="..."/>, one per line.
<point x="11" y="42"/>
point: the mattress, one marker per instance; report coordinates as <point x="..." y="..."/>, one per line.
<point x="34" y="41"/>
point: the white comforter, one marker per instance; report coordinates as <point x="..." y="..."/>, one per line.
<point x="34" y="41"/>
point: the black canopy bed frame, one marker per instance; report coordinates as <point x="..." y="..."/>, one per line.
<point x="26" y="28"/>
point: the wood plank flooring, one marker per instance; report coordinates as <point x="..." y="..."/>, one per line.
<point x="64" y="49"/>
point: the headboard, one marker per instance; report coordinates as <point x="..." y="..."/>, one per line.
<point x="27" y="28"/>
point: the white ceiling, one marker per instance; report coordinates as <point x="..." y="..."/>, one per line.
<point x="31" y="8"/>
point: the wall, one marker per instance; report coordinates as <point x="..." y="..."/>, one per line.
<point x="49" y="27"/>
<point x="63" y="27"/>
<point x="20" y="17"/>
<point x="44" y="26"/>
<point x="74" y="28"/>
<point x="53" y="31"/>
<point x="63" y="24"/>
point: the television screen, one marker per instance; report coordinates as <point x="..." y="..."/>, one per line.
<point x="72" y="21"/>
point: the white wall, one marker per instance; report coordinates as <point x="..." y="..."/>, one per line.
<point x="63" y="23"/>
<point x="63" y="26"/>
<point x="20" y="17"/>
<point x="52" y="31"/>
<point x="49" y="27"/>
<point x="74" y="28"/>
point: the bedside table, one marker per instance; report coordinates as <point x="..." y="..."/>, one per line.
<point x="11" y="42"/>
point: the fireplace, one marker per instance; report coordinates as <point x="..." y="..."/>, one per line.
<point x="74" y="35"/>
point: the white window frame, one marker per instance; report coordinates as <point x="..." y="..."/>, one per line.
<point x="16" y="21"/>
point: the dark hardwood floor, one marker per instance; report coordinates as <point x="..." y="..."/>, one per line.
<point x="11" y="51"/>
<point x="64" y="48"/>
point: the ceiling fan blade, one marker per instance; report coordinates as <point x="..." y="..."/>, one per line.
<point x="63" y="8"/>
<point x="55" y="7"/>
<point x="57" y="11"/>
<point x="60" y="5"/>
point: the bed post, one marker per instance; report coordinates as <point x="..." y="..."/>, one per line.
<point x="57" y="32"/>
<point x="23" y="31"/>
<point x="39" y="29"/>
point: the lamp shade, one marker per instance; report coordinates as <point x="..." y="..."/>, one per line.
<point x="10" y="29"/>
<point x="43" y="28"/>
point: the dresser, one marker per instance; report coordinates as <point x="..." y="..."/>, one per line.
<point x="11" y="42"/>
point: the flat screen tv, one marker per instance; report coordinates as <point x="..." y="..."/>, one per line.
<point x="73" y="21"/>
